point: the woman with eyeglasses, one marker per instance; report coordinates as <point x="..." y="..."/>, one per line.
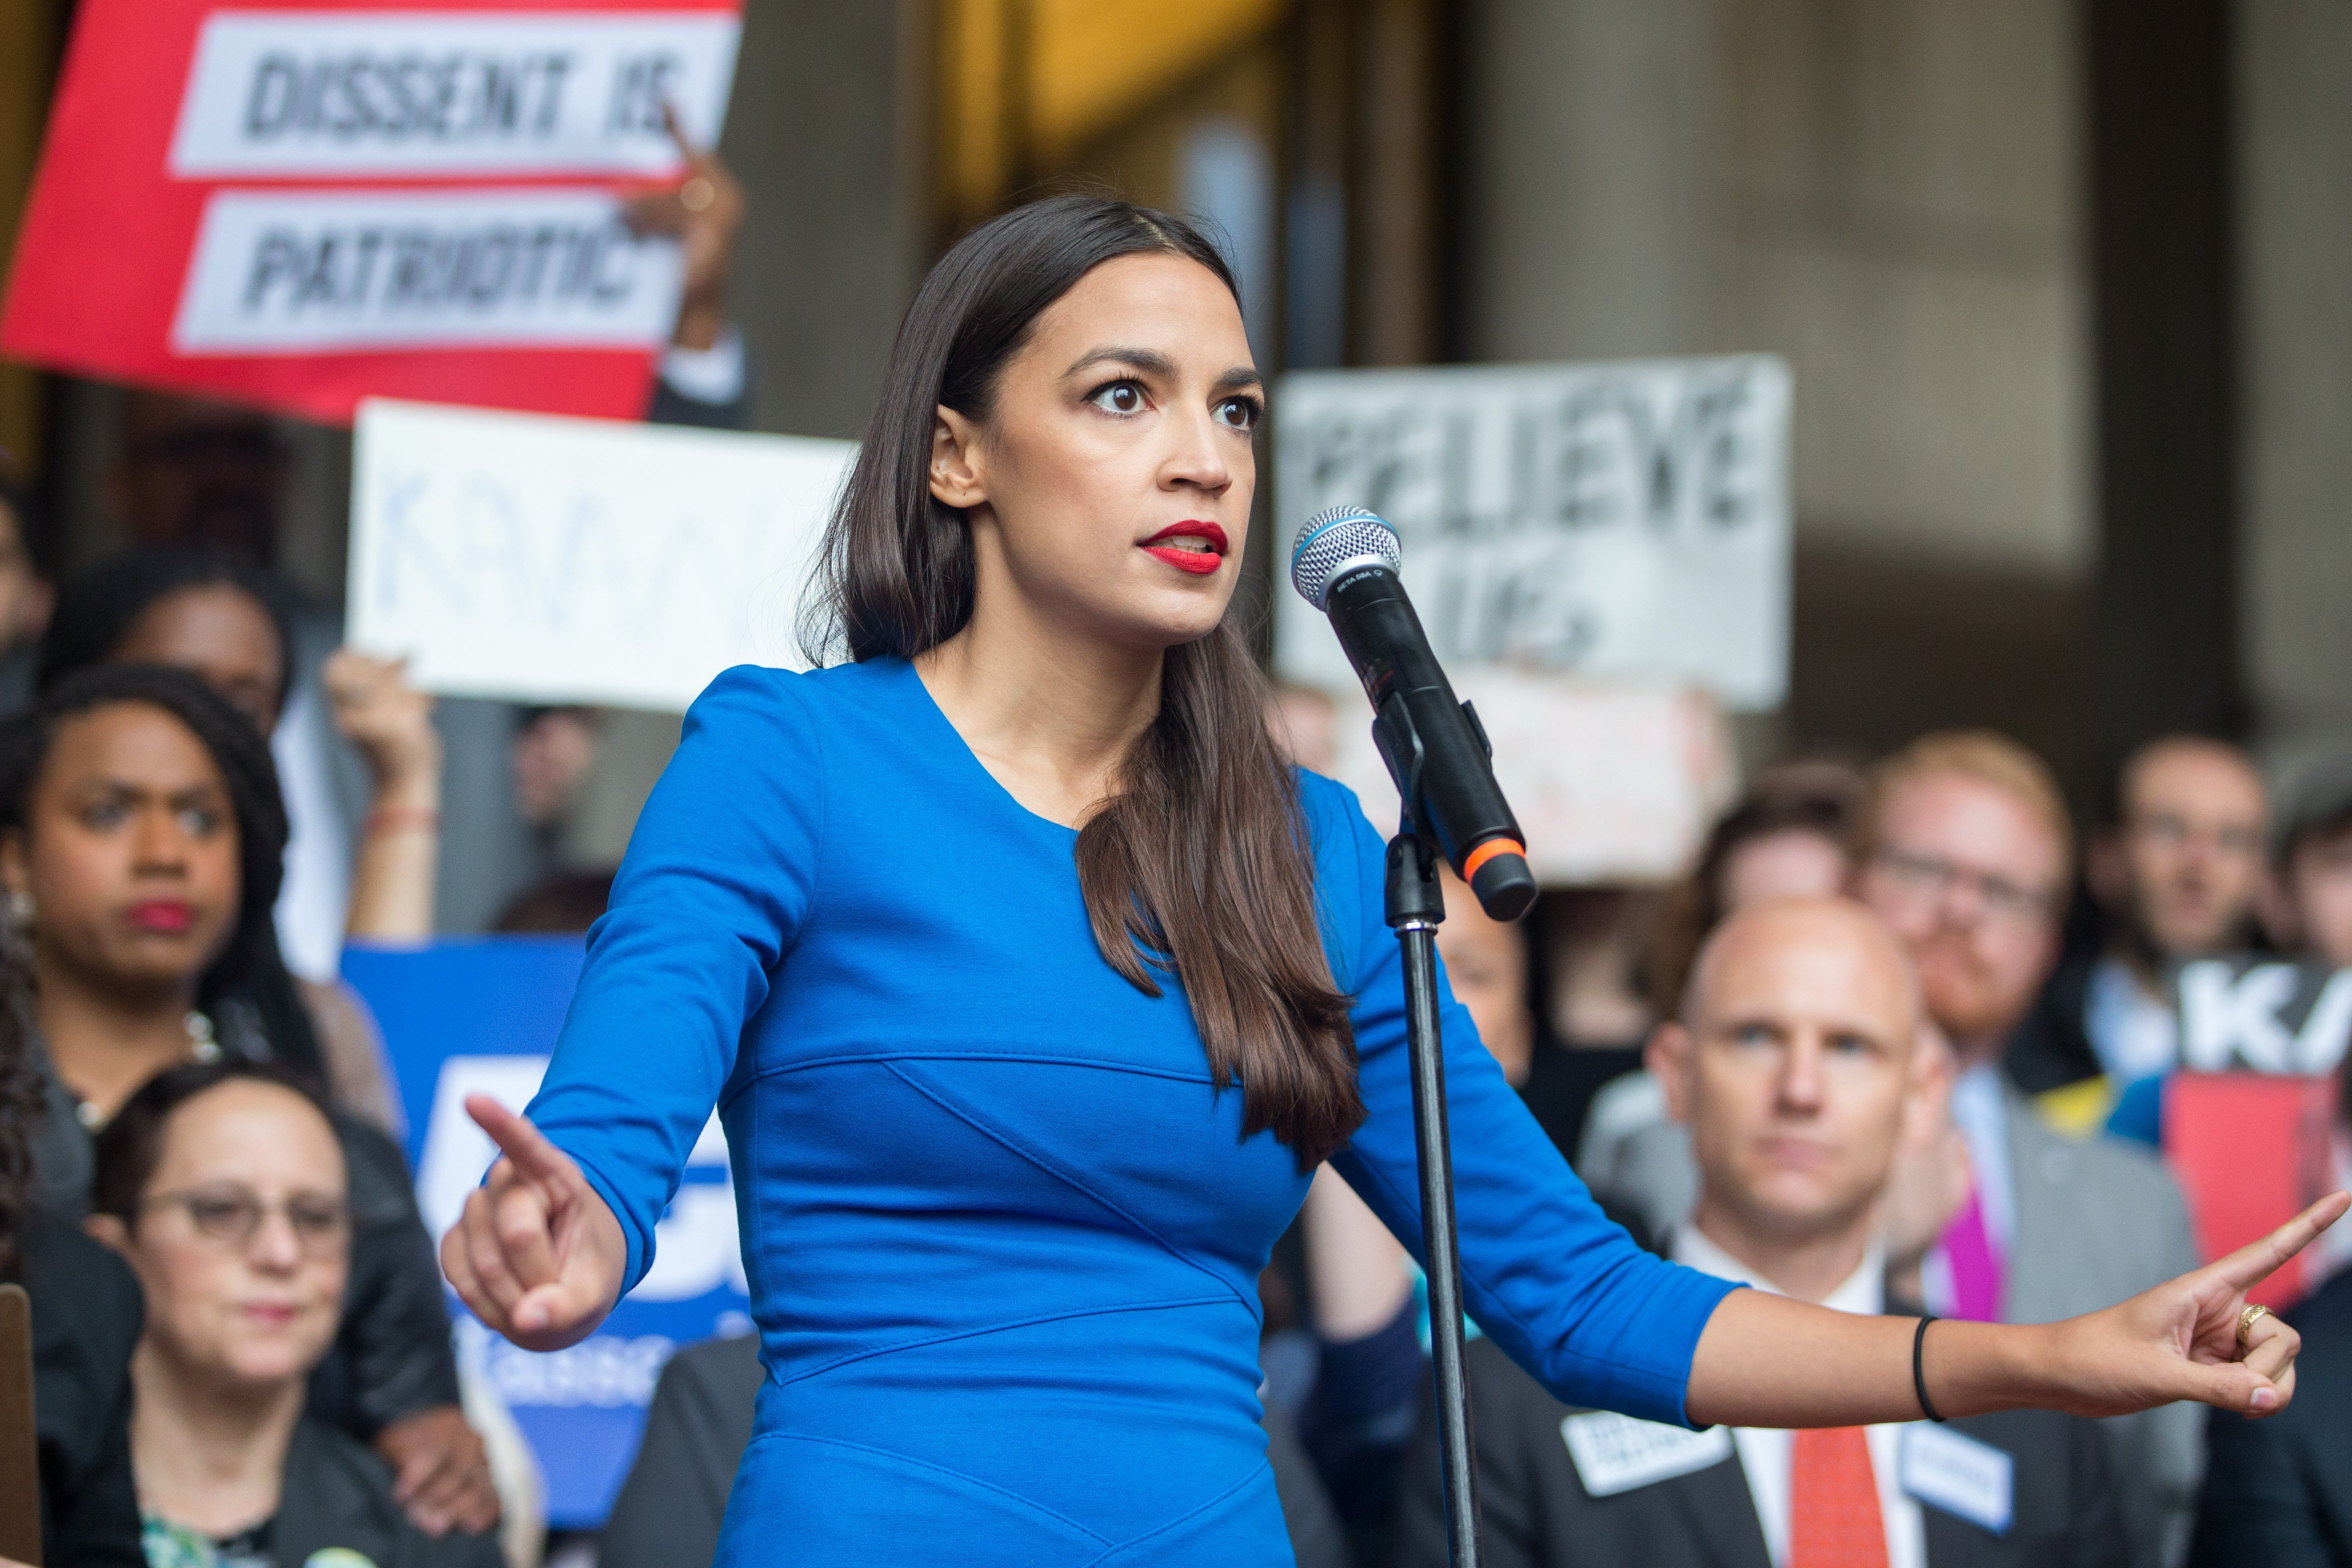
<point x="141" y="835"/>
<point x="224" y="1186"/>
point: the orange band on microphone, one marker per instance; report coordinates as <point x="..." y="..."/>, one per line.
<point x="1487" y="851"/>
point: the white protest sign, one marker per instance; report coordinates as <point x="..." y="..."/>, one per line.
<point x="1621" y="519"/>
<point x="1610" y="782"/>
<point x="541" y="559"/>
<point x="285" y="93"/>
<point x="302" y="271"/>
<point x="698" y="1248"/>
<point x="2265" y="1014"/>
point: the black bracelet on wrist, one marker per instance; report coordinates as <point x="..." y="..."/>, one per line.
<point x="1919" y="1369"/>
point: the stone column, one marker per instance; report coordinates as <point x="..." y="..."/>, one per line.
<point x="1587" y="224"/>
<point x="826" y="131"/>
<point x="2294" y="243"/>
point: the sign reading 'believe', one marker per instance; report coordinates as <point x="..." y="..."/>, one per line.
<point x="307" y="204"/>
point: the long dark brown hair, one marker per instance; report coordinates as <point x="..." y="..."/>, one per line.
<point x="23" y="1101"/>
<point x="1199" y="867"/>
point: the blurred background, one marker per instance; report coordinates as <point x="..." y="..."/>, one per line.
<point x="2059" y="286"/>
<point x="2057" y="283"/>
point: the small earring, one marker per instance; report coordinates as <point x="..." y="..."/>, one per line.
<point x="21" y="909"/>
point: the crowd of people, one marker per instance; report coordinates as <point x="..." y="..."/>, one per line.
<point x="1907" y="1032"/>
<point x="1898" y="1037"/>
<point x="1897" y="1042"/>
<point x="243" y="1349"/>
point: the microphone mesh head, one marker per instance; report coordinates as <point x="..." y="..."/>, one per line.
<point x="1338" y="539"/>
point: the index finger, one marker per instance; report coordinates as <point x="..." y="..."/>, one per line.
<point x="2254" y="1263"/>
<point x="525" y="1146"/>
<point x="688" y="152"/>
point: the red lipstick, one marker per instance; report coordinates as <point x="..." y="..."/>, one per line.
<point x="1192" y="547"/>
<point x="161" y="915"/>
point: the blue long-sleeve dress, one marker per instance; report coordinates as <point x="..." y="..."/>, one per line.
<point x="1001" y="1233"/>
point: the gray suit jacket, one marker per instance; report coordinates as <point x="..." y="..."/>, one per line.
<point x="2099" y="1220"/>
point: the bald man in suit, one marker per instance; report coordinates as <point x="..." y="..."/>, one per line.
<point x="1796" y="1068"/>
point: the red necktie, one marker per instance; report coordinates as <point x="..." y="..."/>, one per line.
<point x="1833" y="1518"/>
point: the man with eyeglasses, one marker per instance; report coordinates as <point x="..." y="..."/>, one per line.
<point x="1965" y="849"/>
<point x="2176" y="873"/>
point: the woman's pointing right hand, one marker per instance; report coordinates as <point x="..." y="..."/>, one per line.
<point x="536" y="1254"/>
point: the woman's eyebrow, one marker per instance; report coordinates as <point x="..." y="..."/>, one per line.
<point x="105" y="783"/>
<point x="1239" y="376"/>
<point x="1151" y="361"/>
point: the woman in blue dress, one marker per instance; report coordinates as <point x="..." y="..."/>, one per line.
<point x="1032" y="984"/>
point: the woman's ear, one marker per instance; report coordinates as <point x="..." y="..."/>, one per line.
<point x="110" y="1230"/>
<point x="16" y="874"/>
<point x="955" y="471"/>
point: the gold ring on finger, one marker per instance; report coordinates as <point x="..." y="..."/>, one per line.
<point x="2247" y="1318"/>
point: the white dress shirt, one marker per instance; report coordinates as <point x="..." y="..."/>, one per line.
<point x="1981" y="1110"/>
<point x="1768" y="1454"/>
<point x="2134" y="1035"/>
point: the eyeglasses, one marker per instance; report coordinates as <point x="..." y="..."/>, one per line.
<point x="1927" y="876"/>
<point x="233" y="1216"/>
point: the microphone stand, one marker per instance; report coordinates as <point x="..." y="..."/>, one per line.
<point x="1415" y="904"/>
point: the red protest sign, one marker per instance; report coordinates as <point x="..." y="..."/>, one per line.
<point x="2252" y="1150"/>
<point x="304" y="204"/>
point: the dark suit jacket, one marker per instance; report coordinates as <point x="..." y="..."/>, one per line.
<point x="2278" y="1491"/>
<point x="2051" y="1047"/>
<point x="87" y="1316"/>
<point x="337" y="1494"/>
<point x="1537" y="1514"/>
<point x="696" y="1431"/>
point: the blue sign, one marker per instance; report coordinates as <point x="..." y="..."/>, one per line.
<point x="479" y="1015"/>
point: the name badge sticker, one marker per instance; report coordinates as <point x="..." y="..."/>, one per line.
<point x="1616" y="1453"/>
<point x="1965" y="1478"/>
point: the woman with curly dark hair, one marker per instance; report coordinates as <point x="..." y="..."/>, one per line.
<point x="228" y="621"/>
<point x="86" y="1320"/>
<point x="140" y="832"/>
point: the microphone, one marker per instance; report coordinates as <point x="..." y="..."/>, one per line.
<point x="1345" y="564"/>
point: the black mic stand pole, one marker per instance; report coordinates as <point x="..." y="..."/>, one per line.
<point x="1416" y="903"/>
